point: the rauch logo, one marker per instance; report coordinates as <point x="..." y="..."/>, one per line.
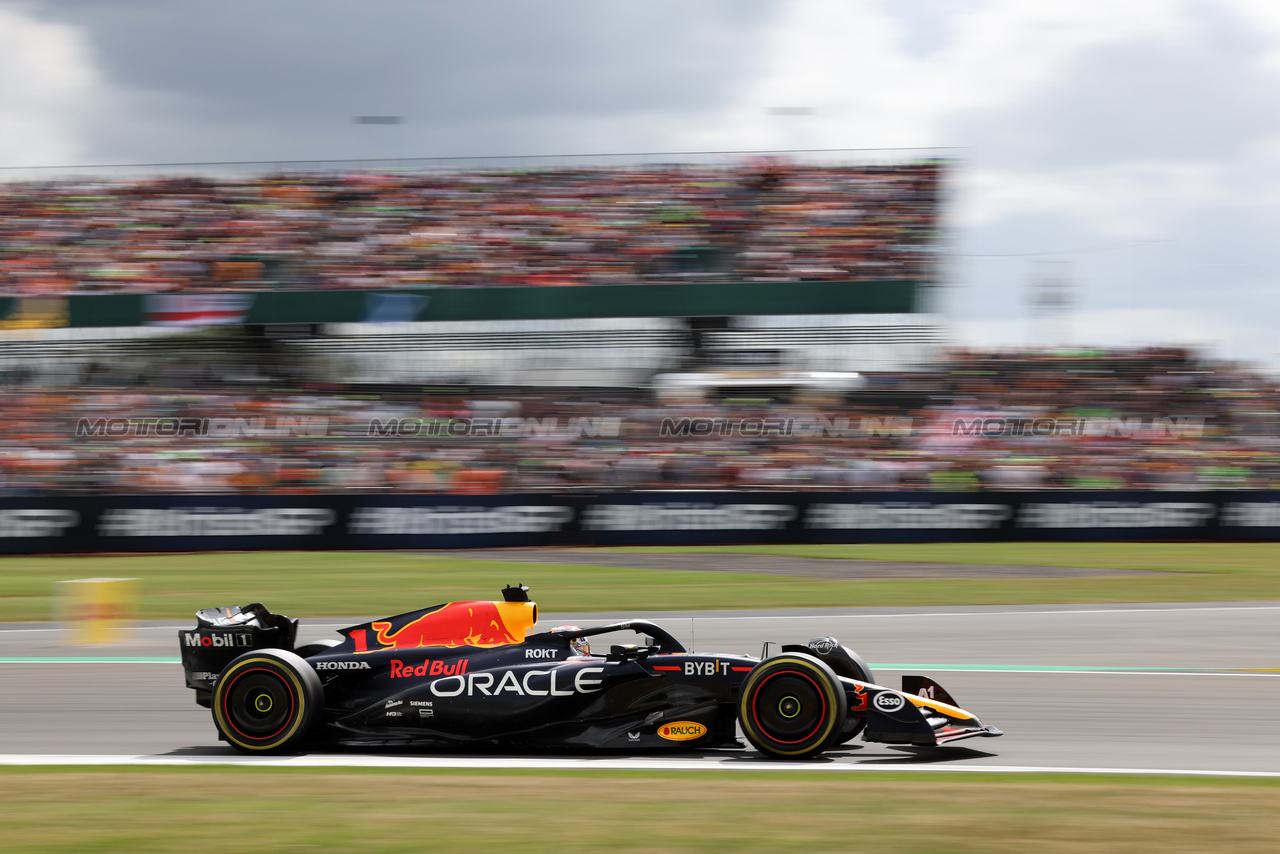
<point x="682" y="731"/>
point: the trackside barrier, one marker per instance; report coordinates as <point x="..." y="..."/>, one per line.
<point x="129" y="523"/>
<point x="96" y="610"/>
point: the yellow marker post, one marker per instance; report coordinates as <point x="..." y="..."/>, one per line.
<point x="96" y="610"/>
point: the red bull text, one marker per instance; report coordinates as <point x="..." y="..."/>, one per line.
<point x="427" y="668"/>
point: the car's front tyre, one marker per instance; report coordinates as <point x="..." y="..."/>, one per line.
<point x="792" y="706"/>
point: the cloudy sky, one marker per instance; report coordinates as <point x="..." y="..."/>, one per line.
<point x="1129" y="148"/>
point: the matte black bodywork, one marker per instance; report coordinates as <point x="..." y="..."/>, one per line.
<point x="539" y="693"/>
<point x="535" y="694"/>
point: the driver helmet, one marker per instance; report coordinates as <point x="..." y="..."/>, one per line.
<point x="580" y="646"/>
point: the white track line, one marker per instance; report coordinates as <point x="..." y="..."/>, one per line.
<point x="585" y="764"/>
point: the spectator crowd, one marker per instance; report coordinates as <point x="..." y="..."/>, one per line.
<point x="1140" y="419"/>
<point x="763" y="220"/>
<point x="1154" y="419"/>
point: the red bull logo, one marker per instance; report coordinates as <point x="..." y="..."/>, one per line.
<point x="482" y="624"/>
<point x="399" y="670"/>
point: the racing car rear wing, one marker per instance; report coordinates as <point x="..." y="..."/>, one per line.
<point x="222" y="634"/>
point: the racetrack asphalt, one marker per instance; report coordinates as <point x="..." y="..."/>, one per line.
<point x="1176" y="687"/>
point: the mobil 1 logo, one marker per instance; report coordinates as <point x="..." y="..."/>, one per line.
<point x="242" y="640"/>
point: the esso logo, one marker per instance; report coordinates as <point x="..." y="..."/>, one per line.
<point x="889" y="702"/>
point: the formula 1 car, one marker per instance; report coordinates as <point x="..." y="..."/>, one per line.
<point x="480" y="673"/>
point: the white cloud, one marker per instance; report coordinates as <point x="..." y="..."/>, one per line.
<point x="850" y="61"/>
<point x="51" y="85"/>
<point x="1264" y="15"/>
<point x="1121" y="200"/>
<point x="1143" y="133"/>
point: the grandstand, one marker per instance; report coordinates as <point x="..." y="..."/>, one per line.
<point x="571" y="273"/>
<point x="754" y="323"/>
<point x="757" y="323"/>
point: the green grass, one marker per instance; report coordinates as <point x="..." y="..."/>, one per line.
<point x="1167" y="557"/>
<point x="267" y="810"/>
<point x="318" y="584"/>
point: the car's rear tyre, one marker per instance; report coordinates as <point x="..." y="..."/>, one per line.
<point x="267" y="700"/>
<point x="792" y="706"/>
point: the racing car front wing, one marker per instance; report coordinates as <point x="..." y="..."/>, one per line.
<point x="923" y="714"/>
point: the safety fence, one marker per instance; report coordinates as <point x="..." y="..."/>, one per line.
<point x="125" y="523"/>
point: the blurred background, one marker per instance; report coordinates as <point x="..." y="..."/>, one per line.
<point x="918" y="305"/>
<point x="739" y="322"/>
<point x="322" y="232"/>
